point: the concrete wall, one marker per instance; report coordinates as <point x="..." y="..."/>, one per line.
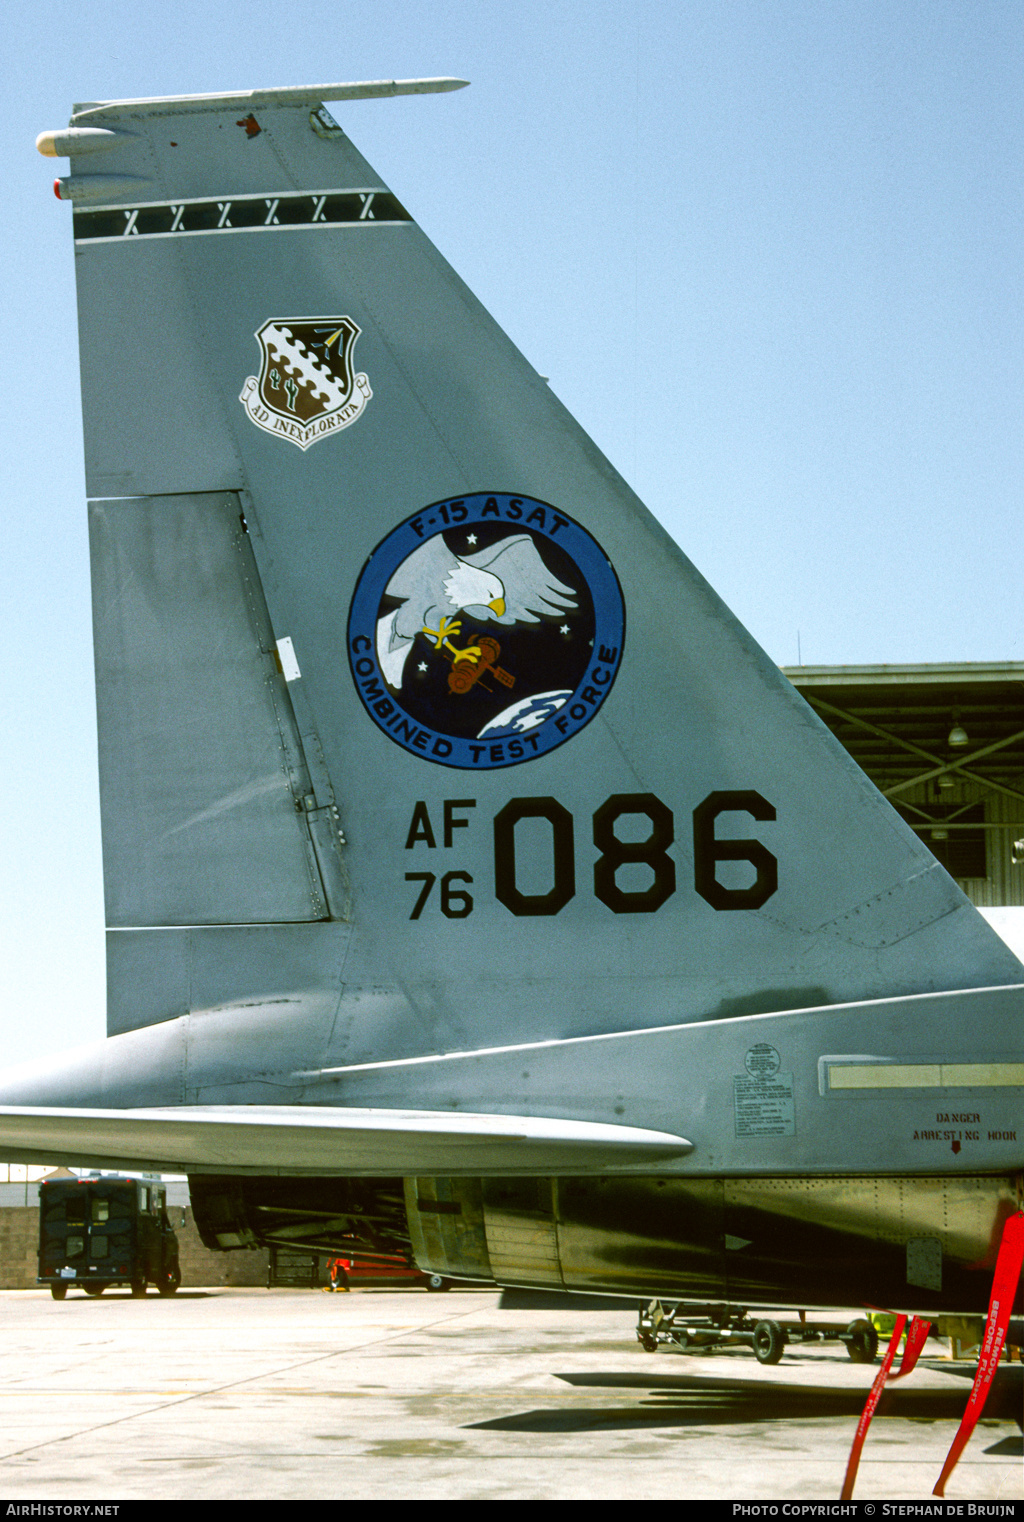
<point x="201" y="1266"/>
<point x="19" y="1246"/>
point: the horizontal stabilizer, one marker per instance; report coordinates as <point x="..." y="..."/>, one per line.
<point x="288" y="95"/>
<point x="299" y="1139"/>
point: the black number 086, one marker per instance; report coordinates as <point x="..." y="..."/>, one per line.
<point x="614" y="853"/>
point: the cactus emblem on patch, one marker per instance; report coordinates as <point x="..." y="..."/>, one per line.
<point x="485" y="631"/>
<point x="307" y="387"/>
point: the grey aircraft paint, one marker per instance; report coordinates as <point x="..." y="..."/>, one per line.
<point x="442" y="797"/>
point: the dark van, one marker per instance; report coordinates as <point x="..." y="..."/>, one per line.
<point x="100" y="1232"/>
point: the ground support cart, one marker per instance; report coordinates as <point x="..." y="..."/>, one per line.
<point x="694" y="1327"/>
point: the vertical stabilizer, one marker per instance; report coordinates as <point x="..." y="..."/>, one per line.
<point x="394" y="668"/>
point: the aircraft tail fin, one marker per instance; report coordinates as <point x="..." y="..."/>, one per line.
<point x="392" y="663"/>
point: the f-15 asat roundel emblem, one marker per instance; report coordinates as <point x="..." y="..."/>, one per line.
<point x="485" y="631"/>
<point x="307" y="387"/>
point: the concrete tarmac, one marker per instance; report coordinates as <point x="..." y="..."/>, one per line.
<point x="252" y="1394"/>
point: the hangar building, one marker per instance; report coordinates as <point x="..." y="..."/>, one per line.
<point x="945" y="745"/>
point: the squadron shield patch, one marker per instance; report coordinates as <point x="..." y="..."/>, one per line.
<point x="306" y="387"/>
<point x="485" y="631"/>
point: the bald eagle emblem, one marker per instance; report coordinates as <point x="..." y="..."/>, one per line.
<point x="508" y="583"/>
<point x="485" y="631"/>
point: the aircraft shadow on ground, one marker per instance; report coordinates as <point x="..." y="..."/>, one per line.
<point x="120" y="1298"/>
<point x="555" y="1300"/>
<point x="668" y="1400"/>
<point x="1008" y="1448"/>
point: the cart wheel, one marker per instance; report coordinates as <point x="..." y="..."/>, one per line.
<point x="58" y="1291"/>
<point x="769" y="1341"/>
<point x="138" y="1287"/>
<point x="647" y="1341"/>
<point x="94" y="1289"/>
<point x="861" y="1341"/>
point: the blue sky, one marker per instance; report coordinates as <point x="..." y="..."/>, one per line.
<point x="768" y="254"/>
